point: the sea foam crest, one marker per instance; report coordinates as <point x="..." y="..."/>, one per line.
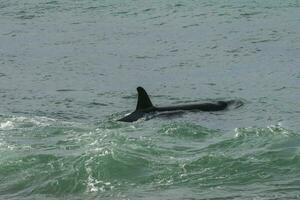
<point x="6" y="125"/>
<point x="265" y="131"/>
<point x="13" y="122"/>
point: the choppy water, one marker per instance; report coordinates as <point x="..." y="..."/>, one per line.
<point x="69" y="69"/>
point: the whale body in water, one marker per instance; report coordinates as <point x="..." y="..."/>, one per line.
<point x="145" y="106"/>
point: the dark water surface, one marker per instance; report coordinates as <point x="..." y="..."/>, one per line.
<point x="69" y="69"/>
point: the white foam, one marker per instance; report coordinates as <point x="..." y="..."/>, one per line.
<point x="14" y="122"/>
<point x="6" y="125"/>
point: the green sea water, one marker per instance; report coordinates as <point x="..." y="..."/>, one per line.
<point x="69" y="70"/>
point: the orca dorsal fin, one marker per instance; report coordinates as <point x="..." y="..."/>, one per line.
<point x="144" y="101"/>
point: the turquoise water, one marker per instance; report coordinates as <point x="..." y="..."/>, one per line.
<point x="69" y="69"/>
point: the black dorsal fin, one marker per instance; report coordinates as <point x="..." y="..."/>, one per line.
<point x="144" y="101"/>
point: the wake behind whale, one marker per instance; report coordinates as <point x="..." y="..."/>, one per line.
<point x="145" y="106"/>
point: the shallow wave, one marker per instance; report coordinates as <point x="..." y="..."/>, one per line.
<point x="186" y="130"/>
<point x="111" y="159"/>
<point x="61" y="158"/>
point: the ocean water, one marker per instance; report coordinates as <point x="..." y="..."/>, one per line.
<point x="69" y="70"/>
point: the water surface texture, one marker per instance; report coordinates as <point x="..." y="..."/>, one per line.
<point x="69" y="69"/>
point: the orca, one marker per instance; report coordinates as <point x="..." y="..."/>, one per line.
<point x="145" y="106"/>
